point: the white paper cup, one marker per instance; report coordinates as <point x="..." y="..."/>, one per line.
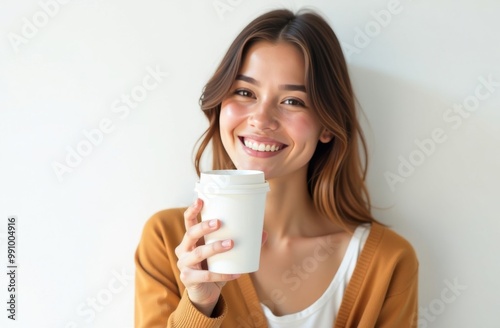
<point x="237" y="198"/>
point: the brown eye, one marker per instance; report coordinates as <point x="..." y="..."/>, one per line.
<point x="293" y="102"/>
<point x="243" y="93"/>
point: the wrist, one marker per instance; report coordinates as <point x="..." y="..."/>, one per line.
<point x="209" y="309"/>
<point x="206" y="309"/>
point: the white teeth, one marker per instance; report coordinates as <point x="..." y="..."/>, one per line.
<point x="261" y="147"/>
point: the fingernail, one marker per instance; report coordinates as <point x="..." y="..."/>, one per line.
<point x="212" y="223"/>
<point x="226" y="243"/>
<point x="195" y="204"/>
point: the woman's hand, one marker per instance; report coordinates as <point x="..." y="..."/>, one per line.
<point x="203" y="286"/>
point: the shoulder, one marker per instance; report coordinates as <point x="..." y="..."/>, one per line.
<point x="390" y="260"/>
<point x="167" y="217"/>
<point x="166" y="225"/>
<point x="391" y="249"/>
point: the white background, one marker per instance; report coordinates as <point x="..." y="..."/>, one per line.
<point x="77" y="233"/>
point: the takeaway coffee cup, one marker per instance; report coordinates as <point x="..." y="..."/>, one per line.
<point x="236" y="198"/>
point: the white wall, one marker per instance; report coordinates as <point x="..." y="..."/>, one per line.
<point x="77" y="233"/>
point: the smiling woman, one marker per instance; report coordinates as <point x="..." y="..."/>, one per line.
<point x="281" y="102"/>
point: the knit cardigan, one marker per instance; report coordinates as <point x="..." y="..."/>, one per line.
<point x="382" y="291"/>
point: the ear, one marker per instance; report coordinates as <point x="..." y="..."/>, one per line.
<point x="326" y="136"/>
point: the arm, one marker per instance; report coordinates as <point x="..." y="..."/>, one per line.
<point x="401" y="309"/>
<point x="160" y="297"/>
<point x="400" y="305"/>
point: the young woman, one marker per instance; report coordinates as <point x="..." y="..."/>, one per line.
<point x="281" y="102"/>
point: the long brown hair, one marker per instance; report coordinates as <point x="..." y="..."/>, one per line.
<point x="335" y="173"/>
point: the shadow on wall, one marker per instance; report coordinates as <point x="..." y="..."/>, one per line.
<point x="428" y="149"/>
<point x="405" y="128"/>
<point x="415" y="133"/>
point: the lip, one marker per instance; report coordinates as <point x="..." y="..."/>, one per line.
<point x="260" y="139"/>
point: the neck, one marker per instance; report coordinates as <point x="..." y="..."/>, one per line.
<point x="290" y="211"/>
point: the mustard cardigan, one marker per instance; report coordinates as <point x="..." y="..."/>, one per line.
<point x="382" y="291"/>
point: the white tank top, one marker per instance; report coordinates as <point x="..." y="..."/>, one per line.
<point x="323" y="311"/>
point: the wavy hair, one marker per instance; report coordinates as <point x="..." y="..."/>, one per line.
<point x="336" y="174"/>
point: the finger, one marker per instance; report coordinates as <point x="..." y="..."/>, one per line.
<point x="201" y="229"/>
<point x="201" y="253"/>
<point x="194" y="234"/>
<point x="264" y="237"/>
<point x="190" y="277"/>
<point x="191" y="213"/>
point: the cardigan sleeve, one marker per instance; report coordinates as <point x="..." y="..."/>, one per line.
<point x="160" y="298"/>
<point x="400" y="306"/>
<point x="401" y="309"/>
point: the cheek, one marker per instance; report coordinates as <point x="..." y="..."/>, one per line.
<point x="302" y="126"/>
<point x="231" y="116"/>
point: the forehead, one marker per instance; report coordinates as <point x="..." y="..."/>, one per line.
<point x="276" y="61"/>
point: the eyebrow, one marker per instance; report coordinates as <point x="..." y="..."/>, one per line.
<point x="286" y="87"/>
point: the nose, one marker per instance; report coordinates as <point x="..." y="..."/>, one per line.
<point x="263" y="117"/>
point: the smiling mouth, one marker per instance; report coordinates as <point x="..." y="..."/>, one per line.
<point x="262" y="146"/>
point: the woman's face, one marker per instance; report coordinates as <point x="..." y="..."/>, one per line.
<point x="266" y="122"/>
